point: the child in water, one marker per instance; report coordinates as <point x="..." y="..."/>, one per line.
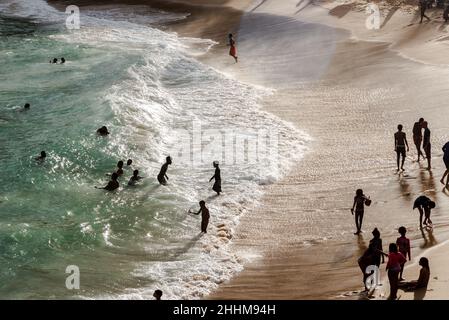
<point x="359" y="205"/>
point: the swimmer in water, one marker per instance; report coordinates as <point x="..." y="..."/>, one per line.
<point x="120" y="168"/>
<point x="42" y="156"/>
<point x="62" y="60"/>
<point x="162" y="176"/>
<point x="103" y="131"/>
<point x="134" y="178"/>
<point x="26" y="106"/>
<point x="157" y="294"/>
<point x="113" y="184"/>
<point x="129" y="162"/>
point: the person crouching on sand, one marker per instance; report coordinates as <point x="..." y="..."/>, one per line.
<point x="233" y="50"/>
<point x="395" y="259"/>
<point x="424" y="205"/>
<point x="204" y="216"/>
<point x="360" y="200"/>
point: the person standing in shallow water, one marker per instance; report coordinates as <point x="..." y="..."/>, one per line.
<point x="217" y="177"/>
<point x="233" y="49"/>
<point x="417" y="136"/>
<point x="162" y="176"/>
<point x="400" y="142"/>
<point x="426" y="144"/>
<point x="204" y="216"/>
<point x="446" y="164"/>
<point x="423" y="4"/>
<point x="359" y="205"/>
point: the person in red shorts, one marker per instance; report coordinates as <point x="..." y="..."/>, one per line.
<point x="233" y="50"/>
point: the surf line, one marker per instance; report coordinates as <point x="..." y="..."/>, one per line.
<point x="184" y="310"/>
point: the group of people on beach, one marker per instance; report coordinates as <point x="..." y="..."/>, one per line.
<point x="400" y="250"/>
<point x="401" y="146"/>
<point x="397" y="255"/>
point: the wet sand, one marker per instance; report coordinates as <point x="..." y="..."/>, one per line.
<point x="349" y="95"/>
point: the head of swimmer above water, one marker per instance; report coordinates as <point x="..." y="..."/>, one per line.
<point x="135" y="173"/>
<point x="129" y="162"/>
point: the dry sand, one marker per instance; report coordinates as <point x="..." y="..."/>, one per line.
<point x="348" y="87"/>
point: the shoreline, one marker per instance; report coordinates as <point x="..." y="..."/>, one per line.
<point x="288" y="259"/>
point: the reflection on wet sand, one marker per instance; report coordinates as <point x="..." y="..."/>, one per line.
<point x="429" y="239"/>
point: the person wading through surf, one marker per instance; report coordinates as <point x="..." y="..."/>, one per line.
<point x="217" y="177"/>
<point x="205" y="216"/>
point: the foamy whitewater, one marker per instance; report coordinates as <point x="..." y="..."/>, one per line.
<point x="156" y="99"/>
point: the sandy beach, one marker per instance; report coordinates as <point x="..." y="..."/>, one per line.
<point x="347" y="87"/>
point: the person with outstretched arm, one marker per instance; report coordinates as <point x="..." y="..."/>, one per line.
<point x="204" y="216"/>
<point x="113" y="184"/>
